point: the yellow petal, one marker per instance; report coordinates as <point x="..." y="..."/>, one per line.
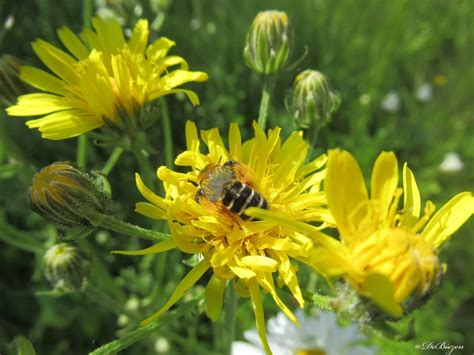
<point x="192" y="96"/>
<point x="381" y="291"/>
<point x="214" y="297"/>
<point x="345" y="189"/>
<point x="314" y="165"/>
<point x="185" y="284"/>
<point x="151" y="211"/>
<point x="58" y="61"/>
<point x="171" y="61"/>
<point x="42" y="80"/>
<point x="38" y="104"/>
<point x="259" y="263"/>
<point x="412" y="201"/>
<point x="384" y="181"/>
<point x="259" y="315"/>
<point x="148" y="194"/>
<point x="235" y="141"/>
<point x="301" y="227"/>
<point x="65" y="124"/>
<point x="139" y="39"/>
<point x="109" y="34"/>
<point x="179" y="77"/>
<point x="192" y="139"/>
<point x="449" y="219"/>
<point x="154" y="249"/>
<point x="215" y="145"/>
<point x="242" y="272"/>
<point x="288" y="274"/>
<point x="73" y="43"/>
<point x="159" y="48"/>
<point x="266" y="281"/>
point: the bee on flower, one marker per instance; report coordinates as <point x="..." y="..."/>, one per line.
<point x="206" y="212"/>
<point x="103" y="80"/>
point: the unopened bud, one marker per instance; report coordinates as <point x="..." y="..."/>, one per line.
<point x="67" y="195"/>
<point x="11" y="85"/>
<point x="268" y="43"/>
<point x="311" y="101"/>
<point x="66" y="267"/>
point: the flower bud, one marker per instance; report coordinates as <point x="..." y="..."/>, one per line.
<point x="11" y="85"/>
<point x="311" y="102"/>
<point x="66" y="267"/>
<point x="66" y="195"/>
<point x="268" y="43"/>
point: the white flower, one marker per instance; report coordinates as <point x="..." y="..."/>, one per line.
<point x="318" y="335"/>
<point x="424" y="92"/>
<point x="451" y="163"/>
<point x="391" y="102"/>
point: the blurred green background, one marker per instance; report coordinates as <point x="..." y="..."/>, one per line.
<point x="379" y="55"/>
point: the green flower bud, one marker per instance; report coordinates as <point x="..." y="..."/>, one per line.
<point x="11" y="85"/>
<point x="311" y="102"/>
<point x="67" y="195"/>
<point x="66" y="267"/>
<point x="268" y="43"/>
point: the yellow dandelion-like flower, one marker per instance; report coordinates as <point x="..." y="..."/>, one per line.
<point x="393" y="252"/>
<point x="206" y="212"/>
<point x="103" y="79"/>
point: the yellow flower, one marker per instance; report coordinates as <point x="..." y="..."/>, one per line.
<point x="104" y="79"/>
<point x="394" y="260"/>
<point x="245" y="251"/>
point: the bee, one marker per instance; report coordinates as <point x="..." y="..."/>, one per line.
<point x="229" y="184"/>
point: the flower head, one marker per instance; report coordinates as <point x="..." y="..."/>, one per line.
<point x="67" y="195"/>
<point x="66" y="267"/>
<point x="104" y="79"/>
<point x="268" y="42"/>
<point x="199" y="206"/>
<point x="393" y="252"/>
<point x="311" y="102"/>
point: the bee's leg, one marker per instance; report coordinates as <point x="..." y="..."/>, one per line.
<point x="198" y="195"/>
<point x="193" y="182"/>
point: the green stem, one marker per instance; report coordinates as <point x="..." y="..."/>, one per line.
<point x="87" y="13"/>
<point x="146" y="170"/>
<point x="230" y="317"/>
<point x="113" y="159"/>
<point x="166" y="126"/>
<point x="320" y="301"/>
<point x="116" y="225"/>
<point x="264" y="103"/>
<point x="136" y="335"/>
<point x="81" y="154"/>
<point x="314" y="135"/>
<point x="100" y="296"/>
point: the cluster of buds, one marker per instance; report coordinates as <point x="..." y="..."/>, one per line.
<point x="268" y="43"/>
<point x="66" y="267"/>
<point x="64" y="194"/>
<point x="311" y="101"/>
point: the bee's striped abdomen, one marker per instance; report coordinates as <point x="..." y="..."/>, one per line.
<point x="239" y="196"/>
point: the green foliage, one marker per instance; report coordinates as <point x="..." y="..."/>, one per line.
<point x="365" y="48"/>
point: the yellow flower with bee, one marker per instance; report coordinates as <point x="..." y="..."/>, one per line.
<point x="104" y="79"/>
<point x="206" y="212"/>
